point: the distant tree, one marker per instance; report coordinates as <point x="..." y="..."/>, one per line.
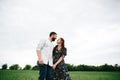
<point x="119" y="68"/>
<point x="4" y="66"/>
<point x="116" y="67"/>
<point x="83" y="67"/>
<point x="20" y="68"/>
<point x="106" y="67"/>
<point x="70" y="67"/>
<point x="14" y="67"/>
<point x="35" y="67"/>
<point x="27" y="67"/>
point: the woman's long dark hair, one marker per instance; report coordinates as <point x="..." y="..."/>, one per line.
<point x="62" y="45"/>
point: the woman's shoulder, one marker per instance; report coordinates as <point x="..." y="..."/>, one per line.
<point x="65" y="48"/>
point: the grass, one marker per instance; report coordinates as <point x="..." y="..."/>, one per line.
<point x="33" y="75"/>
<point x="95" y="75"/>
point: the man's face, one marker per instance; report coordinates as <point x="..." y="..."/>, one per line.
<point x="54" y="37"/>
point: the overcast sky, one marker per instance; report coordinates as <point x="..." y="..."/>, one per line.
<point x="91" y="29"/>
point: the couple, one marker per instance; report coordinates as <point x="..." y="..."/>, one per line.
<point x="51" y="59"/>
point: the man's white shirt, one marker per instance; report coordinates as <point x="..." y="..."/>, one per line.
<point x="45" y="46"/>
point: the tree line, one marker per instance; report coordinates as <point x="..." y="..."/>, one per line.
<point x="83" y="67"/>
<point x="17" y="67"/>
<point x="70" y="67"/>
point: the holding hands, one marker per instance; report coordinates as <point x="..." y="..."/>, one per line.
<point x="54" y="66"/>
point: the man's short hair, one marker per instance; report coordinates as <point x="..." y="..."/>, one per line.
<point x="52" y="33"/>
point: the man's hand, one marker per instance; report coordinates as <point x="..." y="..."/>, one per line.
<point x="41" y="61"/>
<point x="54" y="66"/>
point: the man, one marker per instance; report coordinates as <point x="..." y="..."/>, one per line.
<point x="45" y="60"/>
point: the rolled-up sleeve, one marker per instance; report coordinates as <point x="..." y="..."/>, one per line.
<point x="40" y="45"/>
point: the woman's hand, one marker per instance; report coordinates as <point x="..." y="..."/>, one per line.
<point x="54" y="66"/>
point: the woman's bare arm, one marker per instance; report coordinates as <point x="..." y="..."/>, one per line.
<point x="60" y="59"/>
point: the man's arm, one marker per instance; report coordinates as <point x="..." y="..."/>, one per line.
<point x="38" y="50"/>
<point x="39" y="57"/>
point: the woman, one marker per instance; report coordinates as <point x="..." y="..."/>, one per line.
<point x="60" y="71"/>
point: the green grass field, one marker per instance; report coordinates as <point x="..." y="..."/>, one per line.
<point x="33" y="75"/>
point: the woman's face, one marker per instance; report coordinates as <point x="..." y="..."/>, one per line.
<point x="59" y="41"/>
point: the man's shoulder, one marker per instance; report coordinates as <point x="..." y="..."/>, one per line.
<point x="43" y="40"/>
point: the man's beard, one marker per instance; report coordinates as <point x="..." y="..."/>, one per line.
<point x="53" y="39"/>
